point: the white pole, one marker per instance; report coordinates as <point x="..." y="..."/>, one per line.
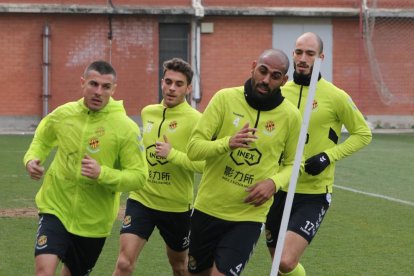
<point x="296" y="167"/>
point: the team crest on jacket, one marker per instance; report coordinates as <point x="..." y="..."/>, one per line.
<point x="93" y="145"/>
<point x="314" y="104"/>
<point x="270" y="127"/>
<point x="172" y="126"/>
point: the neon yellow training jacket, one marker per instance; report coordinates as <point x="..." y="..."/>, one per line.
<point x="85" y="206"/>
<point x="228" y="172"/>
<point x="331" y="108"/>
<point x="170" y="184"/>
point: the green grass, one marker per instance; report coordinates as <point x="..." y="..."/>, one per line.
<point x="361" y="234"/>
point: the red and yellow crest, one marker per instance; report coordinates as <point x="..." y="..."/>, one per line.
<point x="94" y="143"/>
<point x="314" y="104"/>
<point x="173" y="125"/>
<point x="270" y="126"/>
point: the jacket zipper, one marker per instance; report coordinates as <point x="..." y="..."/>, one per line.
<point x="257" y="120"/>
<point x="163" y="119"/>
<point x="82" y="152"/>
<point x="300" y="96"/>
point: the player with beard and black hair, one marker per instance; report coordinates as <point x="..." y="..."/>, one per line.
<point x="331" y="109"/>
<point x="241" y="136"/>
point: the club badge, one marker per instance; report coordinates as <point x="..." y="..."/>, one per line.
<point x="93" y="145"/>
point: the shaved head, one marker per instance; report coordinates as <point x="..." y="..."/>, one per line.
<point x="277" y="54"/>
<point x="309" y="36"/>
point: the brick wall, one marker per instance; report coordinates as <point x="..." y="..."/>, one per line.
<point x="105" y="2"/>
<point x="75" y="41"/>
<point x="228" y="53"/>
<point x="226" y="58"/>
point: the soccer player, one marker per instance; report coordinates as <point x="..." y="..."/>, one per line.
<point x="332" y="108"/>
<point x="165" y="202"/>
<point x="241" y="136"/>
<point x="99" y="154"/>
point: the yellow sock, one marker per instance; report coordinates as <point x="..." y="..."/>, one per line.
<point x="298" y="271"/>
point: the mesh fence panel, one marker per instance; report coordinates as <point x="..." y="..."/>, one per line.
<point x="388" y="27"/>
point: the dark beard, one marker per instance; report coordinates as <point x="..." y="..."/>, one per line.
<point x="303" y="79"/>
<point x="259" y="101"/>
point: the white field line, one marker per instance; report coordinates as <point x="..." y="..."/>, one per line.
<point x="376" y="195"/>
<point x="13" y="175"/>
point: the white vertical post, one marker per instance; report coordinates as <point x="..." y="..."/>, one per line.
<point x="296" y="167"/>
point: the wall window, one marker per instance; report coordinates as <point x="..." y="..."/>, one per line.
<point x="173" y="42"/>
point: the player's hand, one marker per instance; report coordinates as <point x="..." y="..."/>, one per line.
<point x="317" y="163"/>
<point x="162" y="149"/>
<point x="243" y="138"/>
<point x="260" y="192"/>
<point x="90" y="167"/>
<point x="34" y="169"/>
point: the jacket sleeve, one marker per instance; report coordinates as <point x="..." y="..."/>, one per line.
<point x="359" y="133"/>
<point x="203" y="143"/>
<point x="282" y="177"/>
<point x="43" y="142"/>
<point x="131" y="172"/>
<point x="180" y="158"/>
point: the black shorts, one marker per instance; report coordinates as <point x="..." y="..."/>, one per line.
<point x="308" y="211"/>
<point x="78" y="253"/>
<point x="228" y="244"/>
<point x="174" y="227"/>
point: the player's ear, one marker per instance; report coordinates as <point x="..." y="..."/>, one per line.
<point x="113" y="89"/>
<point x="189" y="89"/>
<point x="254" y="64"/>
<point x="82" y="81"/>
<point x="285" y="79"/>
<point x="321" y="56"/>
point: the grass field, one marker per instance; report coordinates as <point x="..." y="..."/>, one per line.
<point x="367" y="231"/>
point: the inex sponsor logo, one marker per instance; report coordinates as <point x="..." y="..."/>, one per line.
<point x="246" y="156"/>
<point x="152" y="157"/>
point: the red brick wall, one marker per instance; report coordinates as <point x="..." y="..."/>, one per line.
<point x="237" y="3"/>
<point x="284" y="3"/>
<point x="105" y="2"/>
<point x="353" y="73"/>
<point x="226" y="58"/>
<point x="228" y="53"/>
<point x="21" y="59"/>
<point x="75" y="41"/>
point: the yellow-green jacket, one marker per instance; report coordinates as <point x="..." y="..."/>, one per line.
<point x="85" y="206"/>
<point x="170" y="184"/>
<point x="332" y="107"/>
<point x="228" y="172"/>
